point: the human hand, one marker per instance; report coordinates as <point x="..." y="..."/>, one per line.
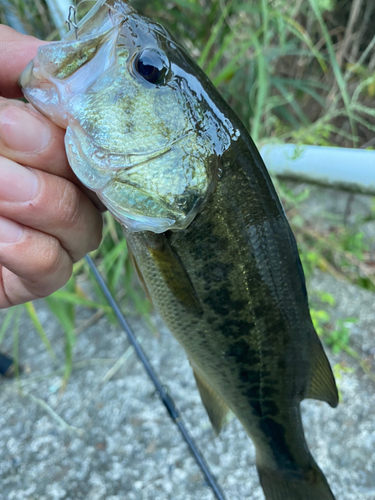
<point x="47" y="219"/>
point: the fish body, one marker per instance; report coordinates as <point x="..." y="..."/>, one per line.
<point x="149" y="133"/>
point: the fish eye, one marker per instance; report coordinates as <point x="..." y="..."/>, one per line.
<point x="151" y="65"/>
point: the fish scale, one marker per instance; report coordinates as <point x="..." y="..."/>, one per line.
<point x="205" y="228"/>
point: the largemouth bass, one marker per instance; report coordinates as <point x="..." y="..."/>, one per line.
<point x="148" y="132"/>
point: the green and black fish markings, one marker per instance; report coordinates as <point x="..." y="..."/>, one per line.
<point x="148" y="132"/>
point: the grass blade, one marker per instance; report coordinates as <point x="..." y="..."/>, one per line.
<point x="336" y="69"/>
<point x="8" y="318"/>
<point x="75" y="299"/>
<point x="29" y="306"/>
<point x="262" y="91"/>
<point x="214" y="34"/>
<point x="16" y="331"/>
<point x="302" y="34"/>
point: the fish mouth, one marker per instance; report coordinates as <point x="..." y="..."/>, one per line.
<point x="47" y="83"/>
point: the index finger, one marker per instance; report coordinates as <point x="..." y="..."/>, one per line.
<point x="16" y="51"/>
<point x="30" y="139"/>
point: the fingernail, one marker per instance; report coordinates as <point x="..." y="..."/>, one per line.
<point x="17" y="183"/>
<point x="22" y="131"/>
<point x="10" y="232"/>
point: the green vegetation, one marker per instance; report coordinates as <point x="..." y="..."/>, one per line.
<point x="300" y="72"/>
<point x="343" y="250"/>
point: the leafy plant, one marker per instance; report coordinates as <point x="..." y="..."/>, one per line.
<point x="339" y="337"/>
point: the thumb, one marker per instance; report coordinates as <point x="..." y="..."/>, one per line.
<point x="16" y="51"/>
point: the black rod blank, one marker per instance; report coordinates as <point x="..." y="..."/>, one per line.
<point x="164" y="395"/>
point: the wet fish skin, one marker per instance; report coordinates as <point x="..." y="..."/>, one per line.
<point x="206" y="229"/>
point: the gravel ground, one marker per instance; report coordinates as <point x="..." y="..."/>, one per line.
<point x="113" y="440"/>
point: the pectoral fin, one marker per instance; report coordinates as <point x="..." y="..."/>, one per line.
<point x="322" y="383"/>
<point x="214" y="404"/>
<point x="139" y="274"/>
<point x="173" y="272"/>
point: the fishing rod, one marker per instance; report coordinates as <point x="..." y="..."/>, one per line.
<point x="165" y="397"/>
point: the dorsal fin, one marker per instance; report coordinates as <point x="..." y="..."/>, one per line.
<point x="214" y="404"/>
<point x="322" y="384"/>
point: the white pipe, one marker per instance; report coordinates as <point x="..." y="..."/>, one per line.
<point x="349" y="169"/>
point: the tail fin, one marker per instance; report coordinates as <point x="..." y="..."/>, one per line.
<point x="286" y="485"/>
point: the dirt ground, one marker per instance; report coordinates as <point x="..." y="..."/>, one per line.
<point x="110" y="438"/>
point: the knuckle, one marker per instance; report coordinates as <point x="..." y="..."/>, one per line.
<point x="51" y="260"/>
<point x="69" y="205"/>
<point x="45" y="287"/>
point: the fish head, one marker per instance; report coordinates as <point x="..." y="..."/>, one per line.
<point x="141" y="128"/>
